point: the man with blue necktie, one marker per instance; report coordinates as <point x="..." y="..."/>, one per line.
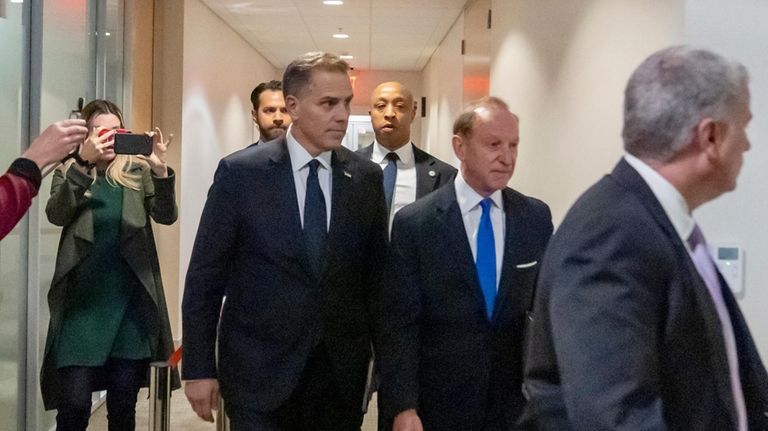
<point x="464" y="263"/>
<point x="409" y="172"/>
<point x="292" y="232"/>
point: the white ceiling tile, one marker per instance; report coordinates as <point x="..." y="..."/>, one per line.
<point x="384" y="34"/>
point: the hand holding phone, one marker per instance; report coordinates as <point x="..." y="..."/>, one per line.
<point x="156" y="159"/>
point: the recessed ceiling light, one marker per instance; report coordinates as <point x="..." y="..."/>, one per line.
<point x="346" y="57"/>
<point x="341" y="35"/>
<point x="17" y="1"/>
<point x="333" y="2"/>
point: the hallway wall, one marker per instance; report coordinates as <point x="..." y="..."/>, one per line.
<point x="441" y="84"/>
<point x="737" y="30"/>
<point x="206" y="75"/>
<point x="567" y="86"/>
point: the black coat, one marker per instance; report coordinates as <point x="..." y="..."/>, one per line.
<point x="439" y="353"/>
<point x="249" y="246"/>
<point x="625" y="333"/>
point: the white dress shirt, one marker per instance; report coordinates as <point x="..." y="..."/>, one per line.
<point x="405" y="182"/>
<point x="679" y="214"/>
<point x="299" y="159"/>
<point x="469" y="204"/>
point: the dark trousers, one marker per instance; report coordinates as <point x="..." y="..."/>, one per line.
<point x="122" y="379"/>
<point x="315" y="405"/>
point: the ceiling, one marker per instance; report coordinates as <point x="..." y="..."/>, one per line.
<point x="383" y="34"/>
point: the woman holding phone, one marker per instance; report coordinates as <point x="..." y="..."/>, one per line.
<point x="108" y="313"/>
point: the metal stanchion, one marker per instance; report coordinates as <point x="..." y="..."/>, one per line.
<point x="159" y="396"/>
<point x="222" y="420"/>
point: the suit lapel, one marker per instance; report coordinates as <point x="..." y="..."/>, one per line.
<point x="341" y="174"/>
<point x="426" y="175"/>
<point x="513" y="230"/>
<point x="754" y="379"/>
<point x="449" y="215"/>
<point x="283" y="209"/>
<point x="630" y="179"/>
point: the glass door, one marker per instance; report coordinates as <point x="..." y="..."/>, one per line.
<point x="13" y="248"/>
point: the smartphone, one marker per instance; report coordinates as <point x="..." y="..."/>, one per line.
<point x="133" y="143"/>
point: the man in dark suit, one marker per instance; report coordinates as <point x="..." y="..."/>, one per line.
<point x="634" y="328"/>
<point x="291" y="233"/>
<point x="409" y="172"/>
<point x="462" y="276"/>
<point x="269" y="111"/>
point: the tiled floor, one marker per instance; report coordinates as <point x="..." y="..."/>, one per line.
<point x="184" y="419"/>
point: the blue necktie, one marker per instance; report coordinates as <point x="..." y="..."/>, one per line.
<point x="486" y="257"/>
<point x="390" y="175"/>
<point x="315" y="219"/>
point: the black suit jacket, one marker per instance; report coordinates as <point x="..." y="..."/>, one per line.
<point x="625" y="333"/>
<point x="249" y="246"/>
<point x="440" y="354"/>
<point x="431" y="173"/>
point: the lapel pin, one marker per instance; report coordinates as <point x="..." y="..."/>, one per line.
<point x="432" y="173"/>
<point x="347" y="174"/>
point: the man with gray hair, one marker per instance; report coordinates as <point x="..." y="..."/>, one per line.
<point x="292" y="232"/>
<point x="633" y="326"/>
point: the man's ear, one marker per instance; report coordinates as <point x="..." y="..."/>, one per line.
<point x="292" y="106"/>
<point x="709" y="134"/>
<point x="255" y="116"/>
<point x="459" y="146"/>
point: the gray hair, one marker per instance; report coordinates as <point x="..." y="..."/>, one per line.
<point x="298" y="74"/>
<point x="465" y="122"/>
<point x="671" y="92"/>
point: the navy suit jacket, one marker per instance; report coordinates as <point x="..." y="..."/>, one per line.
<point x="440" y="354"/>
<point x="250" y="247"/>
<point x="431" y="173"/>
<point x="625" y="334"/>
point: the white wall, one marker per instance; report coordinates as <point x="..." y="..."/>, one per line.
<point x="442" y="86"/>
<point x="737" y="30"/>
<point x="220" y="71"/>
<point x="567" y="85"/>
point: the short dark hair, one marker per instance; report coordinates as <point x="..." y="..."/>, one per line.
<point x="466" y="120"/>
<point x="273" y="85"/>
<point x="298" y="74"/>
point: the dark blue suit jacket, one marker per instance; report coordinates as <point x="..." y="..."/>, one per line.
<point x="625" y="334"/>
<point x="439" y="353"/>
<point x="249" y="246"/>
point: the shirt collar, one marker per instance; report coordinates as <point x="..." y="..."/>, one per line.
<point x="669" y="197"/>
<point x="405" y="153"/>
<point x="299" y="155"/>
<point x="469" y="199"/>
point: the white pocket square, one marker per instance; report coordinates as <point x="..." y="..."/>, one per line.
<point x="526" y="265"/>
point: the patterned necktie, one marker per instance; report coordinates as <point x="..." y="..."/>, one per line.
<point x="315" y="219"/>
<point x="486" y="257"/>
<point x="706" y="269"/>
<point x="390" y="175"/>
